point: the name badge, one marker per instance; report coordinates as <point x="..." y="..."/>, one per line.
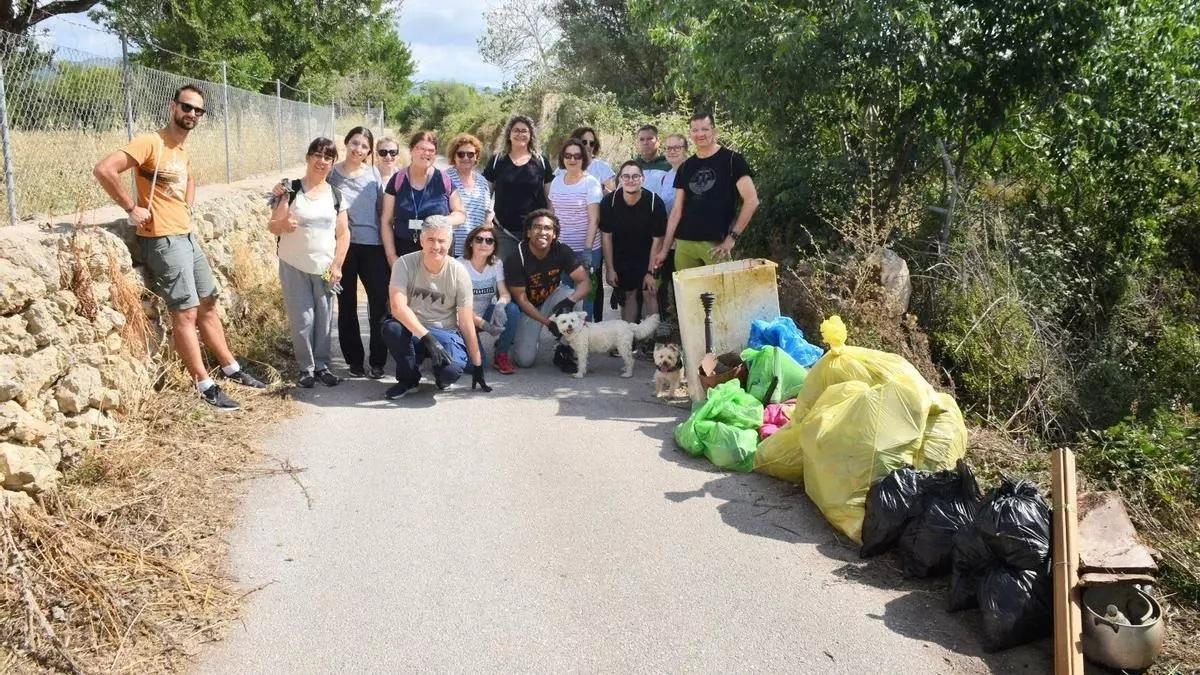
<point x="415" y="224"/>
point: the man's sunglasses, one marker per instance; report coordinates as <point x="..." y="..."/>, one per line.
<point x="387" y="153"/>
<point x="188" y="108"/>
<point x="479" y="239"/>
<point x="465" y="154"/>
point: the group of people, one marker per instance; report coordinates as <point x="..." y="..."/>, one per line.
<point x="495" y="245"/>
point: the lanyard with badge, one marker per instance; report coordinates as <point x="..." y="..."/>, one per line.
<point x="414" y="224"/>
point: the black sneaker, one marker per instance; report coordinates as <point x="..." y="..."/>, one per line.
<point x="327" y="378"/>
<point x="245" y="379"/>
<point x="357" y="371"/>
<point x="218" y="399"/>
<point x="306" y="380"/>
<point x="396" y="391"/>
<point x="376" y="373"/>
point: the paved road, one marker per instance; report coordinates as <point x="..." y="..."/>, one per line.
<point x="551" y="526"/>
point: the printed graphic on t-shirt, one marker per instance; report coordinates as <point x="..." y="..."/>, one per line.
<point x="172" y="175"/>
<point x="702" y="181"/>
<point x="432" y="295"/>
<point x="541" y="285"/>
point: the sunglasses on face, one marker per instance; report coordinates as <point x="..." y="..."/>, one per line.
<point x="631" y="176"/>
<point x="590" y="143"/>
<point x="480" y="239"/>
<point x="567" y="156"/>
<point x="465" y="154"/>
<point x="387" y="153"/>
<point x="189" y="108"/>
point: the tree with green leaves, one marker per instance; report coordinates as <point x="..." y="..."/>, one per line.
<point x="306" y="44"/>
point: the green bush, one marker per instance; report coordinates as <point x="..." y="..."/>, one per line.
<point x="1157" y="458"/>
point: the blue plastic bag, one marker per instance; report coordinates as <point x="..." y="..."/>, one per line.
<point x="782" y="332"/>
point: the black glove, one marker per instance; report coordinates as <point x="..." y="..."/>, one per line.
<point x="564" y="306"/>
<point x="437" y="353"/>
<point x="477" y="379"/>
<point x="553" y="328"/>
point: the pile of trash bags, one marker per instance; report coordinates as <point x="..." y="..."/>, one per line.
<point x="997" y="548"/>
<point x="860" y="415"/>
<point x="726" y="428"/>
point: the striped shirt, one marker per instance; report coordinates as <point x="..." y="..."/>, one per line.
<point x="570" y="203"/>
<point x="477" y="203"/>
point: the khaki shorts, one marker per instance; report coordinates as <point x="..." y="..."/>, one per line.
<point x="178" y="270"/>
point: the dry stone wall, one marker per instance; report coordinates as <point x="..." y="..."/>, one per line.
<point x="72" y="364"/>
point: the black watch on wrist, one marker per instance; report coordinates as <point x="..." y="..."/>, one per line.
<point x="734" y="235"/>
<point x="130" y="209"/>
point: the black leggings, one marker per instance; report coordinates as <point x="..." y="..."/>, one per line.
<point x="369" y="263"/>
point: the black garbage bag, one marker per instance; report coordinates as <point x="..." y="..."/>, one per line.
<point x="949" y="502"/>
<point x="892" y="501"/>
<point x="1016" y="606"/>
<point x="1014" y="522"/>
<point x="564" y="358"/>
<point x="970" y="560"/>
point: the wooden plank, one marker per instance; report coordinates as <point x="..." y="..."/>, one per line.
<point x="1108" y="540"/>
<point x="1068" y="624"/>
<point x="1104" y="579"/>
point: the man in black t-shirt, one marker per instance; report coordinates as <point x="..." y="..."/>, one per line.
<point x="533" y="274"/>
<point x="707" y="187"/>
<point x="633" y="221"/>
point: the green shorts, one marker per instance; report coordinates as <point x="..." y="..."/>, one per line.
<point x="689" y="254"/>
<point x="178" y="270"/>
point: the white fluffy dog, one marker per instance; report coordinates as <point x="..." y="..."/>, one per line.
<point x="600" y="337"/>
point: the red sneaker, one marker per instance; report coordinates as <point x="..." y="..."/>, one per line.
<point x="503" y="364"/>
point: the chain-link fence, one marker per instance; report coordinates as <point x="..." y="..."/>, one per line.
<point x="62" y="110"/>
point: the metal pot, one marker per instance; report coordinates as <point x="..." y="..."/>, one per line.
<point x="1130" y="642"/>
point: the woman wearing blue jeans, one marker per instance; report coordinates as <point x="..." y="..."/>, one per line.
<point x="494" y="311"/>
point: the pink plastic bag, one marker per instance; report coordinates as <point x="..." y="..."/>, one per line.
<point x="775" y="416"/>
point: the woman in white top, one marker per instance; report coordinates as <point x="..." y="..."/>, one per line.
<point x="575" y="197"/>
<point x="495" y="313"/>
<point x="314" y="235"/>
<point x="464" y="153"/>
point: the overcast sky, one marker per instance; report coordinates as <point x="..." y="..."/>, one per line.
<point x="441" y="34"/>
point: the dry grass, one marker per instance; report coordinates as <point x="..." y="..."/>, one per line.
<point x="124" y="561"/>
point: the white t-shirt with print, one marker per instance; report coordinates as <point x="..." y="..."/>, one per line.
<point x="485" y="285"/>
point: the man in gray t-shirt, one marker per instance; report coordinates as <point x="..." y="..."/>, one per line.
<point x="430" y="296"/>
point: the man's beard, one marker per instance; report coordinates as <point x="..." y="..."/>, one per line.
<point x="184" y="123"/>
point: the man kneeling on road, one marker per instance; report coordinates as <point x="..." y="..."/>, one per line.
<point x="534" y="277"/>
<point x="430" y="293"/>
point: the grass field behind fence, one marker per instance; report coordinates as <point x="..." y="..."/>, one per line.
<point x="53" y="169"/>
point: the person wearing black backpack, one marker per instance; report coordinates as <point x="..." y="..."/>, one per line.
<point x="314" y="235"/>
<point x="520" y="178"/>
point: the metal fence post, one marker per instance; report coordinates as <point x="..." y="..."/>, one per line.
<point x="308" y="117"/>
<point x="332" y="117"/>
<point x="279" y="120"/>
<point x="127" y="89"/>
<point x="10" y="183"/>
<point x="225" y="118"/>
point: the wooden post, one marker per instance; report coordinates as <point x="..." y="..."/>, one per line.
<point x="1068" y="620"/>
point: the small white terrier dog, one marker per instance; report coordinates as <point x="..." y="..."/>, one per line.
<point x="668" y="369"/>
<point x="600" y="337"/>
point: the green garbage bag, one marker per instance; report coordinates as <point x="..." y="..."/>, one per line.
<point x="774" y="375"/>
<point x="724" y="428"/>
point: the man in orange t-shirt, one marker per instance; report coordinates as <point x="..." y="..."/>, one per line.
<point x="177" y="268"/>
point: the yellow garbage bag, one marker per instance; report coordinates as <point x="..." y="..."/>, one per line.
<point x="846" y="363"/>
<point x="862" y="414"/>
